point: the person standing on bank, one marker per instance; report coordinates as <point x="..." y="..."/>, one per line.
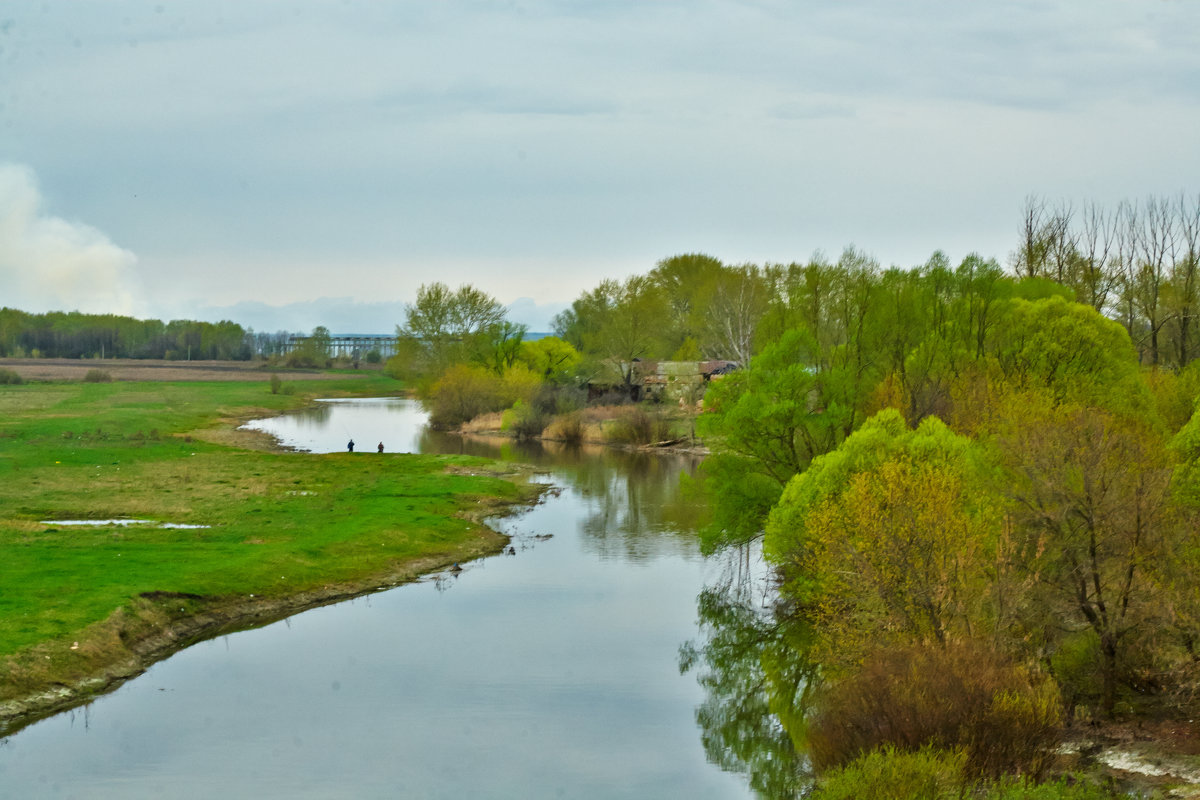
<point x="350" y="446"/>
<point x="381" y="447"/>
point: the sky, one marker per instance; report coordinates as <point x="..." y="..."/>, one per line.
<point x="302" y="163"/>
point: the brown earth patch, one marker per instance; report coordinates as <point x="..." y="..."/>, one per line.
<point x="122" y="369"/>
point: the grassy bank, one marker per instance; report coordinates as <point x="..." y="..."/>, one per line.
<point x="81" y="607"/>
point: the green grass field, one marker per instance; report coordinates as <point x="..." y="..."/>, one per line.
<point x="280" y="524"/>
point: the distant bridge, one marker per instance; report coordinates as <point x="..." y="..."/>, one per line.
<point x="350" y="345"/>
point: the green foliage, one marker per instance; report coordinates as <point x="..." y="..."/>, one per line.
<point x="525" y="420"/>
<point x="97" y="376"/>
<point x="276" y="383"/>
<point x="893" y="774"/>
<point x="9" y="377"/>
<point x="550" y="357"/>
<point x="464" y="391"/>
<point x="932" y="774"/>
<point x="688" y="351"/>
<point x="374" y="356"/>
<point x="1070" y="351"/>
<point x="773" y="411"/>
<point x="313" y="352"/>
<point x="75" y="335"/>
<point x="1065" y="788"/>
<point x="445" y="327"/>
<point x="882" y="438"/>
<point x="617" y="323"/>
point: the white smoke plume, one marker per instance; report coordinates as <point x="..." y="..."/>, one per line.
<point x="50" y="264"/>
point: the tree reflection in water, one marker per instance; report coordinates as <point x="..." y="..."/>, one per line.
<point x="750" y="661"/>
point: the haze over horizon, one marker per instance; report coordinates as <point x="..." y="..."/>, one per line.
<point x="293" y="165"/>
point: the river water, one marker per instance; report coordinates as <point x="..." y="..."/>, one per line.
<point x="550" y="673"/>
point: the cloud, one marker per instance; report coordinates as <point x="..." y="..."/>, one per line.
<point x="50" y="264"/>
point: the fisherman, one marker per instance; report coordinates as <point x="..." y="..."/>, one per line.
<point x="381" y="447"/>
<point x="350" y="445"/>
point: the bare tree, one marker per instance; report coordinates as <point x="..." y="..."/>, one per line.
<point x="1029" y="261"/>
<point x="1154" y="236"/>
<point x="1059" y="243"/>
<point x="1097" y="240"/>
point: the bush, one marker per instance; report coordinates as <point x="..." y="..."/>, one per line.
<point x="566" y="428"/>
<point x="1004" y="718"/>
<point x="463" y="393"/>
<point x="890" y="774"/>
<point x="97" y="376"/>
<point x="525" y="420"/>
<point x="307" y="358"/>
<point x="636" y="426"/>
<point x="1062" y="789"/>
<point x="276" y="383"/>
<point x="7" y="376"/>
<point x="931" y="774"/>
<point x="374" y="356"/>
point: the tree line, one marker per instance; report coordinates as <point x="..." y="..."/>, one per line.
<point x="1138" y="263"/>
<point x="76" y="335"/>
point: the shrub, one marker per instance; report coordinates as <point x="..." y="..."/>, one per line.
<point x="1062" y="789"/>
<point x="525" y="420"/>
<point x="374" y="356"/>
<point x="307" y="358"/>
<point x="97" y="376"/>
<point x="927" y="774"/>
<point x="636" y="426"/>
<point x="566" y="428"/>
<point x="931" y="774"/>
<point x="463" y="393"/>
<point x="276" y="383"/>
<point x="1004" y="718"/>
<point x="7" y="376"/>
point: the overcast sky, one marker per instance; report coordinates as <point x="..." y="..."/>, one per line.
<point x="301" y="163"/>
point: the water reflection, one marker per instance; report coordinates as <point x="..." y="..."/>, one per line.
<point x="749" y="660"/>
<point x="635" y="510"/>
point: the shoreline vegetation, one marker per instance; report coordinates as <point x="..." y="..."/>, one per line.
<point x="285" y="531"/>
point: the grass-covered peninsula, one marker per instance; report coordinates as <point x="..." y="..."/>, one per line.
<point x="84" y="607"/>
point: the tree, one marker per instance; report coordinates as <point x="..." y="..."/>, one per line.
<point x="1069" y="350"/>
<point x="445" y="324"/>
<point x="1093" y="522"/>
<point x="314" y="351"/>
<point x="737" y="302"/>
<point x="767" y="423"/>
<point x="887" y="539"/>
<point x="550" y="357"/>
<point x="688" y="284"/>
<point x="617" y="324"/>
<point x="498" y="346"/>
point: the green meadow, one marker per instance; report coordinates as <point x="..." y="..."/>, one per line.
<point x="278" y="525"/>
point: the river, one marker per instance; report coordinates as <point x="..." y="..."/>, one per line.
<point x="551" y="673"/>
